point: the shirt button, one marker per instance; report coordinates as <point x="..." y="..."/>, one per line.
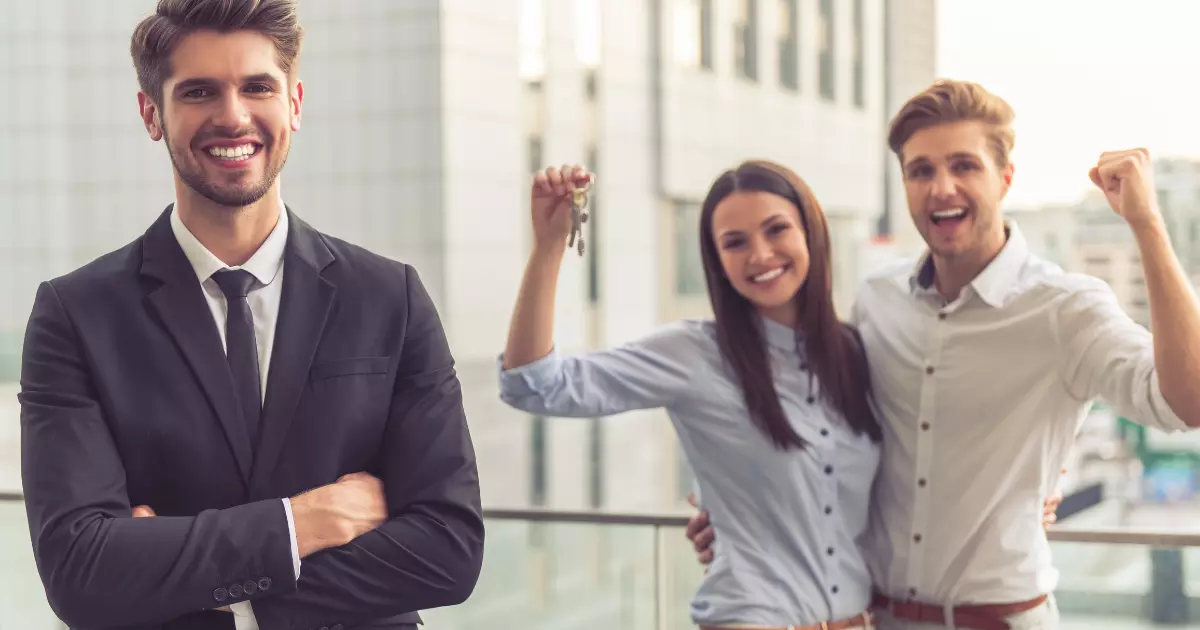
<point x="824" y="432"/>
<point x="917" y="538"/>
<point x="829" y="470"/>
<point x="929" y="370"/>
<point x="811" y="400"/>
<point x="912" y="592"/>
<point x="829" y="551"/>
<point x="941" y="316"/>
<point x="834" y="590"/>
<point x="804" y="367"/>
<point x="828" y="510"/>
<point x="924" y="426"/>
<point x="921" y="482"/>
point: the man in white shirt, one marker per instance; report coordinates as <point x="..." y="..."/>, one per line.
<point x="984" y="361"/>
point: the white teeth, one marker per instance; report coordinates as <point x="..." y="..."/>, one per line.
<point x="770" y="275"/>
<point x="952" y="213"/>
<point x="233" y="153"/>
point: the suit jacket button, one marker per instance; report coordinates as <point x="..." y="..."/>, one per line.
<point x="250" y="587"/>
<point x="220" y="594"/>
<point x="235" y="590"/>
<point x="264" y="584"/>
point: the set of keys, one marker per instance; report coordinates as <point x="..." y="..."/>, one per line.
<point x="579" y="216"/>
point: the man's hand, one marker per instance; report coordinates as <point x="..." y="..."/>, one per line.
<point x="1050" y="507"/>
<point x="145" y="511"/>
<point x="1127" y="179"/>
<point x="700" y="532"/>
<point x="333" y="515"/>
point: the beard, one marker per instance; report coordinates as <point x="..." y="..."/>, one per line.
<point x="230" y="196"/>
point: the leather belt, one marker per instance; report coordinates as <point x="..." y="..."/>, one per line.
<point x="861" y="620"/>
<point x="967" y="617"/>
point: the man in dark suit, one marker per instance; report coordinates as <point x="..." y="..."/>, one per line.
<point x="281" y="406"/>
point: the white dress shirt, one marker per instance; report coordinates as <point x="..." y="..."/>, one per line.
<point x="980" y="400"/>
<point x="266" y="265"/>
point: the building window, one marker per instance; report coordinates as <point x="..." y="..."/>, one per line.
<point x="689" y="269"/>
<point x="789" y="45"/>
<point x="693" y="33"/>
<point x="535" y="153"/>
<point x="587" y="27"/>
<point x="596" y="440"/>
<point x="860" y="82"/>
<point x="537" y="461"/>
<point x="745" y="39"/>
<point x="591" y="250"/>
<point x="827" y="48"/>
<point x="531" y="32"/>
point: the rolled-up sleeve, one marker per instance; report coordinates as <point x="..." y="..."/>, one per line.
<point x="1108" y="355"/>
<point x="647" y="373"/>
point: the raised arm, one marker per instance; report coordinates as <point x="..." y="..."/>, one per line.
<point x="647" y="373"/>
<point x="1155" y="377"/>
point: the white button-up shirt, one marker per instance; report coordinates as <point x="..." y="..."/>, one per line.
<point x="980" y="400"/>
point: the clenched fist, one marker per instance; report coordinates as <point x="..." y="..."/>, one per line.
<point x="1127" y="179"/>
<point x="550" y="204"/>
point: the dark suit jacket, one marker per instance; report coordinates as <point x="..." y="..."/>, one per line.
<point x="126" y="399"/>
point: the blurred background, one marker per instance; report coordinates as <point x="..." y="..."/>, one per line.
<point x="423" y="123"/>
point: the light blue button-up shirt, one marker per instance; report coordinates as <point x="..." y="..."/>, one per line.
<point x="787" y="523"/>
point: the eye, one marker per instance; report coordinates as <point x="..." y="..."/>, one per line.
<point x="197" y="93"/>
<point x="260" y="88"/>
<point x="732" y="242"/>
<point x="964" y="167"/>
<point x="920" y="172"/>
<point x="777" y="228"/>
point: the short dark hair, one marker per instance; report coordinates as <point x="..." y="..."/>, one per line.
<point x="156" y="37"/>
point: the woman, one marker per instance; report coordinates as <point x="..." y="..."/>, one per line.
<point x="769" y="399"/>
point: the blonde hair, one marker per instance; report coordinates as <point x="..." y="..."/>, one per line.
<point x="948" y="101"/>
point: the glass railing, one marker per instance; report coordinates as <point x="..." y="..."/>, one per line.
<point x="585" y="570"/>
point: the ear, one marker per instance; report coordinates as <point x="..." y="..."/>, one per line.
<point x="1007" y="174"/>
<point x="296" y="100"/>
<point x="150" y="117"/>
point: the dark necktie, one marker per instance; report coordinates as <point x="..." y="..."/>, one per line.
<point x="241" y="350"/>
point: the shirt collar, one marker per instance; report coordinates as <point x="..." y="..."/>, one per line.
<point x="995" y="281"/>
<point x="264" y="265"/>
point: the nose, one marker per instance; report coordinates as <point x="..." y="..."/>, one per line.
<point x="760" y="250"/>
<point x="944" y="185"/>
<point x="231" y="112"/>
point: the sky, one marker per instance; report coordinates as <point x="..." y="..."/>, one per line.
<point x="1084" y="76"/>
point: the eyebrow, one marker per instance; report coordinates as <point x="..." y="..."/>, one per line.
<point x="958" y="155"/>
<point x="778" y="215"/>
<point x="190" y="84"/>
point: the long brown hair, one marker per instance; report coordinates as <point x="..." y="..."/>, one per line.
<point x="834" y="350"/>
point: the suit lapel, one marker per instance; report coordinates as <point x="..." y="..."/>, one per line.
<point x="303" y="310"/>
<point x="180" y="304"/>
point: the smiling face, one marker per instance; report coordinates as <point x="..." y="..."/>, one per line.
<point x="763" y="250"/>
<point x="227" y="114"/>
<point x="954" y="188"/>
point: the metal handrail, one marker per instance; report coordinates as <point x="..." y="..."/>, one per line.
<point x="1056" y="533"/>
<point x="679" y="519"/>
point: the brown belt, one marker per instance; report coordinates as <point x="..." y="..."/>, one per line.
<point x="861" y="620"/>
<point x="968" y="617"/>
